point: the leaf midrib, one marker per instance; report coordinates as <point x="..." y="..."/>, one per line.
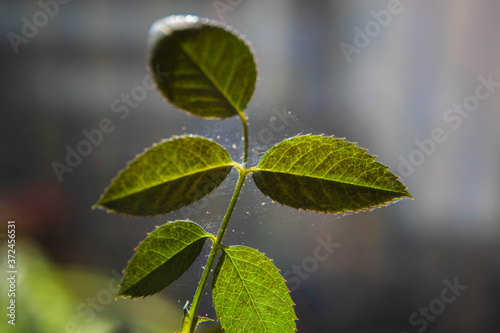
<point x="165" y="181"/>
<point x="166" y="258"/>
<point x="210" y="77"/>
<point x="246" y="289"/>
<point x="333" y="180"/>
<point x="137" y="279"/>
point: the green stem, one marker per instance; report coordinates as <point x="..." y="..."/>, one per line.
<point x="189" y="322"/>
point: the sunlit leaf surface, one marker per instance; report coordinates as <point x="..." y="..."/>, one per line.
<point x="326" y="174"/>
<point x="250" y="295"/>
<point x="162" y="258"/>
<point x="202" y="66"/>
<point x="168" y="176"/>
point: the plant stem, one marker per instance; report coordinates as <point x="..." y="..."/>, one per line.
<point x="190" y="320"/>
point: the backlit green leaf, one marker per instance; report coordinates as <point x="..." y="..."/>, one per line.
<point x="202" y="66"/>
<point x="327" y="175"/>
<point x="162" y="258"/>
<point x="168" y="176"/>
<point x="250" y="295"/>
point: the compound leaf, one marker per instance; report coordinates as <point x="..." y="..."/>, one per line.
<point x="327" y="175"/>
<point x="168" y="176"/>
<point x="162" y="258"/>
<point x="202" y="66"/>
<point x="250" y="295"/>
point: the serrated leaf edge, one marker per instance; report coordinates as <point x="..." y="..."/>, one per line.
<point x="98" y="205"/>
<point x="344" y="212"/>
<point x="208" y="235"/>
<point x="224" y="249"/>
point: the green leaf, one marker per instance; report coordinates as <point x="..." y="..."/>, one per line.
<point x="250" y="295"/>
<point x="326" y="175"/>
<point x="162" y="258"/>
<point x="168" y="176"/>
<point x="202" y="66"/>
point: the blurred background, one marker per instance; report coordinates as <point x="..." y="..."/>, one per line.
<point x="416" y="82"/>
